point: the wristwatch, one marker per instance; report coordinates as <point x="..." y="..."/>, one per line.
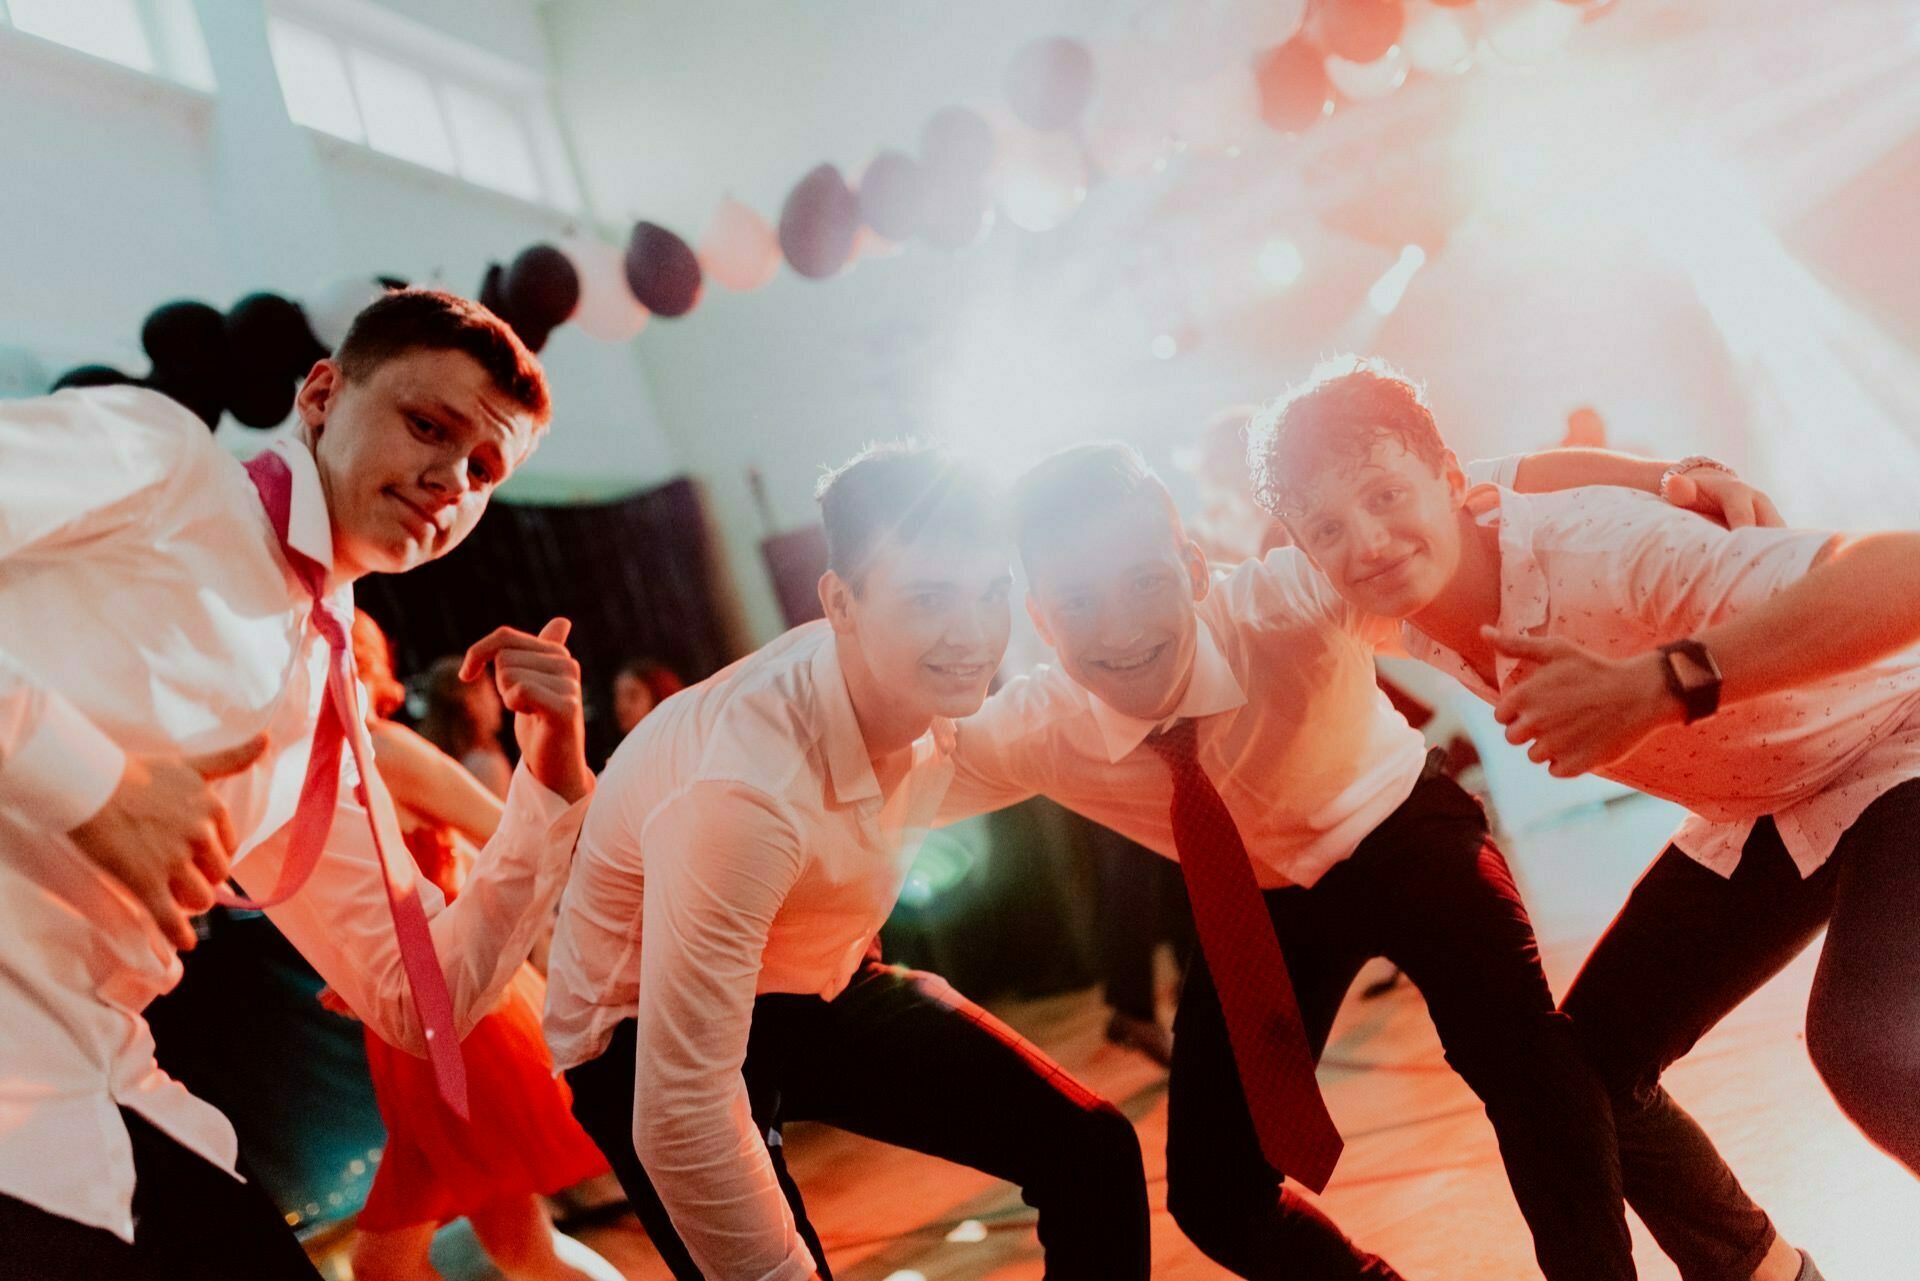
<point x="1691" y="462"/>
<point x="1692" y="677"/>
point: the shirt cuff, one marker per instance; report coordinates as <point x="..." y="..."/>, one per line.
<point x="64" y="772"/>
<point x="1501" y="471"/>
<point x="531" y="801"/>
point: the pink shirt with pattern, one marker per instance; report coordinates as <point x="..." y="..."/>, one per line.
<point x="1621" y="572"/>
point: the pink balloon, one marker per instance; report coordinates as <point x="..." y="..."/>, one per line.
<point x="607" y="309"/>
<point x="739" y="248"/>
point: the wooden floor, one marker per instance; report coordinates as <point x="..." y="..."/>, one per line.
<point x="1420" y="1183"/>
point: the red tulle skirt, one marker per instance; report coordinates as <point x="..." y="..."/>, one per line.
<point x="522" y="1139"/>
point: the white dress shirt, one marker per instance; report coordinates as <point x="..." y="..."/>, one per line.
<point x="1293" y="731"/>
<point x="1622" y="573"/>
<point x="146" y="607"/>
<point x="738" y="844"/>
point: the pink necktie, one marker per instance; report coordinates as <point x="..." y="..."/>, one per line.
<point x="1249" y="972"/>
<point x="340" y="717"/>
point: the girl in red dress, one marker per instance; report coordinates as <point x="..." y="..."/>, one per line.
<point x="523" y="1141"/>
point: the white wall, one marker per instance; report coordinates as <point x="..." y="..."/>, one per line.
<point x="121" y="193"/>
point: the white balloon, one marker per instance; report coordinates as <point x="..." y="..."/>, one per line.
<point x="331" y="311"/>
<point x="1039" y="179"/>
<point x="1220" y="112"/>
<point x="607" y="310"/>
<point x="1363" y="80"/>
<point x="1528" y="31"/>
<point x="740" y="249"/>
<point x="1437" y="41"/>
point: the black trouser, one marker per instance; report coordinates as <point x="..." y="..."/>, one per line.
<point x="1142" y="900"/>
<point x="1690" y="945"/>
<point x="1428" y="890"/>
<point x="192" y="1222"/>
<point x="903" y="1058"/>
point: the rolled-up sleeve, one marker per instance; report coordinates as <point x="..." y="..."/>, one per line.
<point x="721" y="858"/>
<point x="341" y="923"/>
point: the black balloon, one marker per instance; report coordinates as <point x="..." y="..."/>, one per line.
<point x="893" y="195"/>
<point x="207" y="400"/>
<point x="662" y="271"/>
<point x="957" y="142"/>
<point x="93" y="376"/>
<point x="541" y="288"/>
<point x="493" y="292"/>
<point x="1049" y="82"/>
<point x="259" y="399"/>
<point x="392" y="282"/>
<point x="268" y="335"/>
<point x="818" y="223"/>
<point x="186" y="336"/>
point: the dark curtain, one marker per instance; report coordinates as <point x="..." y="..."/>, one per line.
<point x="635" y="575"/>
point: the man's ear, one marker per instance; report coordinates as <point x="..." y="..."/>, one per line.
<point x="316" y="396"/>
<point x="1040" y="622"/>
<point x="836" y="598"/>
<point x="1455" y="476"/>
<point x="1199" y="574"/>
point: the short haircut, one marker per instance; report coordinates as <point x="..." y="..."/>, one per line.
<point x="1060" y="493"/>
<point x="1346" y="407"/>
<point x="901" y="491"/>
<point x="405" y="320"/>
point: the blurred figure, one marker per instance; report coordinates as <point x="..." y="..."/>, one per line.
<point x="523" y="1140"/>
<point x="1230" y="526"/>
<point x="463" y="719"/>
<point x="1586" y="429"/>
<point x="641" y="685"/>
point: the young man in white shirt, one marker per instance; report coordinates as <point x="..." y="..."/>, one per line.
<point x="715" y="971"/>
<point x="1763" y="678"/>
<point x="165" y="625"/>
<point x="1237" y="722"/>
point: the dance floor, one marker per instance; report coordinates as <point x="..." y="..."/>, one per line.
<point x="1421" y="1182"/>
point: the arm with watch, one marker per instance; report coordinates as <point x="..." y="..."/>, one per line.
<point x="1857" y="602"/>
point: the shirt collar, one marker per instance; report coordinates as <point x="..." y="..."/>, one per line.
<point x="309" y="528"/>
<point x="1213" y="689"/>
<point x="849" y="768"/>
<point x="1524" y="599"/>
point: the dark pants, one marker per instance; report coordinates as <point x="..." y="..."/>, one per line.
<point x="903" y="1058"/>
<point x="1428" y="890"/>
<point x="1142" y="901"/>
<point x="1691" y="945"/>
<point x="192" y="1222"/>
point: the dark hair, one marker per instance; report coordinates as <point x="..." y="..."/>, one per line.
<point x="1060" y="492"/>
<point x="1345" y="408"/>
<point x="904" y="491"/>
<point x="448" y="721"/>
<point x="407" y="320"/>
<point x="661" y="681"/>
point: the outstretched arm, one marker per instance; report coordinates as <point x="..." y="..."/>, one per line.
<point x="1859" y="602"/>
<point x="1720" y="496"/>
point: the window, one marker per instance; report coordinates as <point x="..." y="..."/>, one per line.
<point x="159" y="37"/>
<point x="447" y="118"/>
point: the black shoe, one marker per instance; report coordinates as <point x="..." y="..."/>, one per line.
<point x="1144" y="1035"/>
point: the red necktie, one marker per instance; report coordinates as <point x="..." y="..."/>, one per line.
<point x="1249" y="973"/>
<point x="341" y="718"/>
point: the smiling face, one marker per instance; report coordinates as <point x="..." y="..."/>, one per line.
<point x="1115" y="599"/>
<point x="1385" y="528"/>
<point x="409" y="454"/>
<point x="928" y="623"/>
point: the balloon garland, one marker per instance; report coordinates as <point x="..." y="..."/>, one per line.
<point x="1191" y="71"/>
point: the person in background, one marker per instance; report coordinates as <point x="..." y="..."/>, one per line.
<point x="523" y="1141"/>
<point x="641" y="685"/>
<point x="463" y="719"/>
